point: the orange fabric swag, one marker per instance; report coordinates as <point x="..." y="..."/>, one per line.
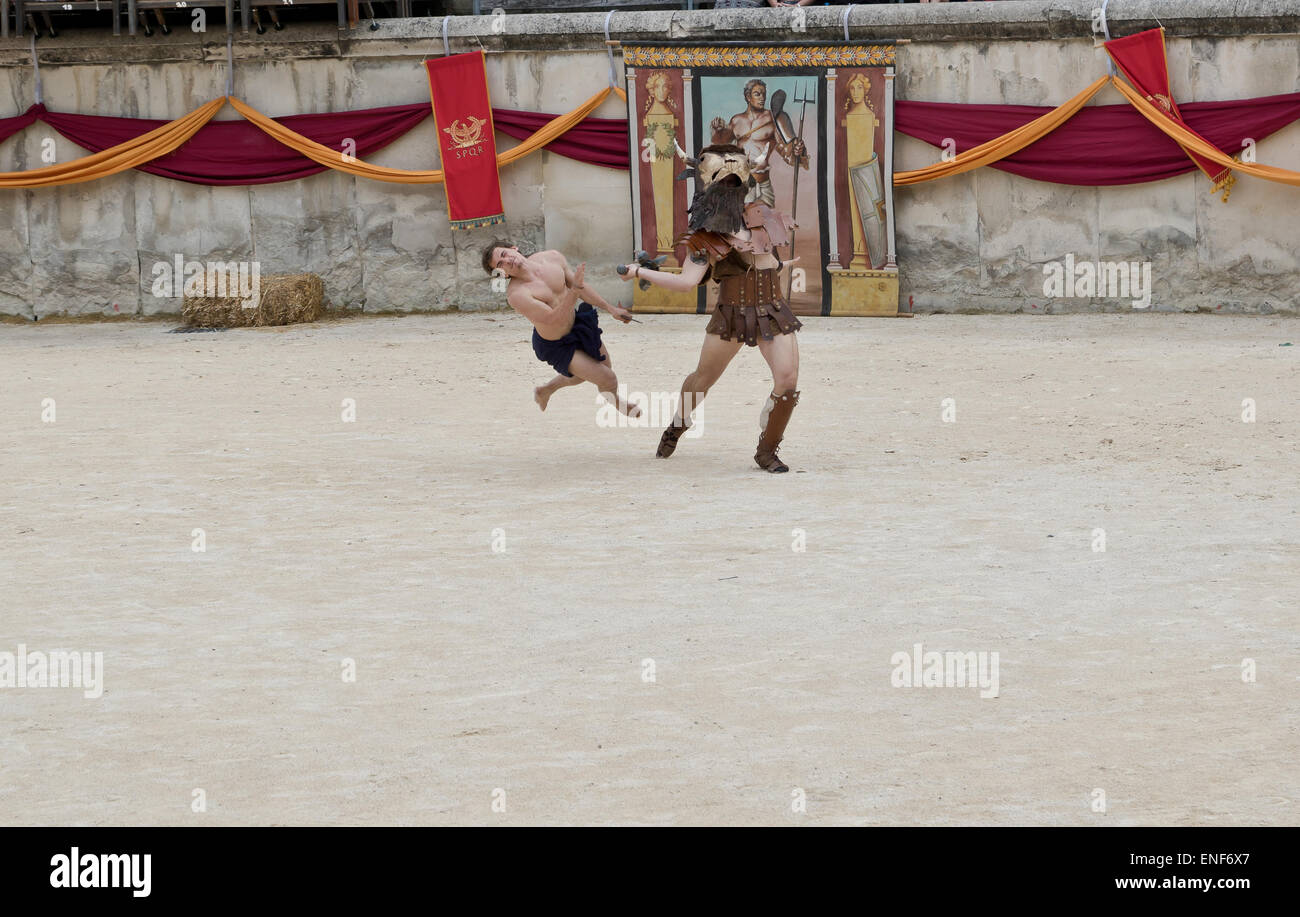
<point x="171" y="136"/>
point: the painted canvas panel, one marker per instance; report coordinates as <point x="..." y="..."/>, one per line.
<point x="819" y="117"/>
<point x="660" y="108"/>
<point x="765" y="116"/>
<point x="860" y="145"/>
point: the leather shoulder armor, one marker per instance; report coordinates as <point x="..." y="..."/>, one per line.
<point x="704" y="243"/>
<point x="776" y="224"/>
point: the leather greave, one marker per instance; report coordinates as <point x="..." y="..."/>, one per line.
<point x="776" y="417"/>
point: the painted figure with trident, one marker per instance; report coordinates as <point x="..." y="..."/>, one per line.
<point x="761" y="131"/>
<point x="781" y="122"/>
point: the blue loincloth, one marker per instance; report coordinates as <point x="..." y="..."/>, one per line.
<point x="584" y="336"/>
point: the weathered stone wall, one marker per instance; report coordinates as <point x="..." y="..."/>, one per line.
<point x="974" y="242"/>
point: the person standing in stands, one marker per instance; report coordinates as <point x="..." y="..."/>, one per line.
<point x="750" y="4"/>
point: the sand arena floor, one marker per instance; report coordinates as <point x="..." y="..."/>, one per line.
<point x="647" y="645"/>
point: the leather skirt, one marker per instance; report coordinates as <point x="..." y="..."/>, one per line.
<point x="750" y="307"/>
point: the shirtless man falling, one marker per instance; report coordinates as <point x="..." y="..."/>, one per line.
<point x="544" y="291"/>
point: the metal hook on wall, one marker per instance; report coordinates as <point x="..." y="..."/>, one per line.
<point x="1105" y="30"/>
<point x="230" y="64"/>
<point x="36" y="69"/>
<point x="609" y="50"/>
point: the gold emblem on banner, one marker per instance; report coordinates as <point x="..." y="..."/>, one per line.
<point x="466" y="135"/>
<point x="1163" y="101"/>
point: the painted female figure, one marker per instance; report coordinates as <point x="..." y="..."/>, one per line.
<point x="860" y="123"/>
<point x="661" y="129"/>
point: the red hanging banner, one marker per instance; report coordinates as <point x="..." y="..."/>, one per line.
<point x="1141" y="58"/>
<point x="463" y="114"/>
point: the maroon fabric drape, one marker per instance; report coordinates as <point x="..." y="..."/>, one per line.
<point x="240" y="153"/>
<point x="11" y="126"/>
<point x="1102" y="144"/>
<point x="599" y="141"/>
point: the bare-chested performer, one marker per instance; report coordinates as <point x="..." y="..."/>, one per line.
<point x="565" y="332"/>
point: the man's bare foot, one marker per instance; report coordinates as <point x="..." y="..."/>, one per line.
<point x="625" y="406"/>
<point x="542" y="395"/>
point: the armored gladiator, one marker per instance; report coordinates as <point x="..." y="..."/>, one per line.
<point x="734" y="244"/>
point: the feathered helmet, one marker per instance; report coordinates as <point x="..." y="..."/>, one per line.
<point x="723" y="176"/>
<point x="719" y="161"/>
